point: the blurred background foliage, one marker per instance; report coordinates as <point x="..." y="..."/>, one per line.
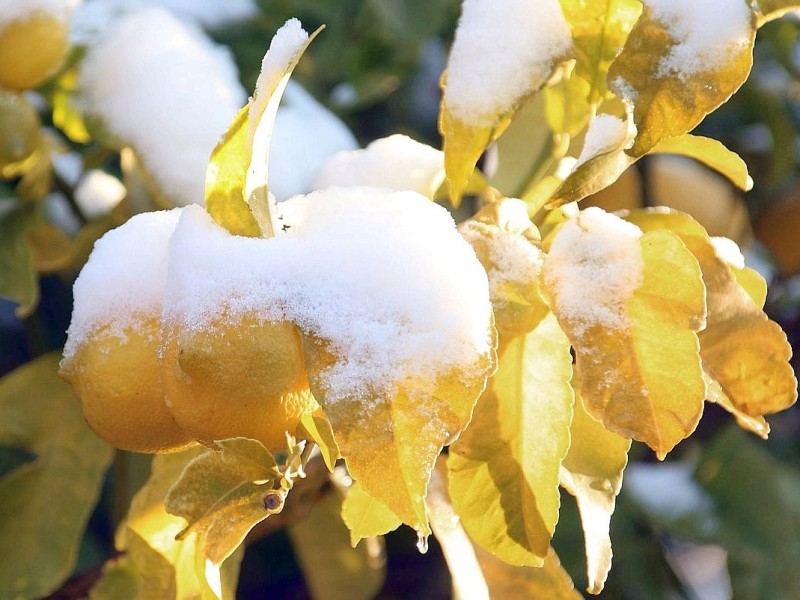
<point x="723" y="497"/>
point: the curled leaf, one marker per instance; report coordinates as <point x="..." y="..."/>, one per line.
<point x="711" y="153"/>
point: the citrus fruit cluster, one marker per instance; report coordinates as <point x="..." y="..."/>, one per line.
<point x="182" y="332"/>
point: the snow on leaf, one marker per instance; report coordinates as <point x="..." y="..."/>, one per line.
<point x="504" y="469"/>
<point x="502" y="54"/>
<point x="631" y="305"/>
<point x="390" y="435"/>
<point x="681" y="61"/>
<point x="237" y="192"/>
<point x="599" y="30"/>
<point x="592" y="472"/>
<point x="222" y="493"/>
<point x="742" y="350"/>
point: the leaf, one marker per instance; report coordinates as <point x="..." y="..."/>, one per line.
<point x="592" y="472"/>
<point x="391" y="437"/>
<point x="599" y="30"/>
<point x="170" y="568"/>
<point x="769" y="10"/>
<point x="237" y="194"/>
<point x="45" y="503"/>
<point x="508" y="582"/>
<point x="757" y="501"/>
<point x="463" y="146"/>
<point x="504" y="468"/>
<point x="506" y="243"/>
<point x="459" y="551"/>
<point x="632" y="307"/>
<point x="757" y="424"/>
<point x="470" y="120"/>
<point x="742" y="350"/>
<point x="119" y="581"/>
<point x="18" y="279"/>
<point x="223" y="494"/>
<point x="66" y="111"/>
<point x="365" y="517"/>
<point x="334" y="569"/>
<point x="675" y="70"/>
<point x="712" y="154"/>
<point x="567" y="106"/>
<point x="316" y="427"/>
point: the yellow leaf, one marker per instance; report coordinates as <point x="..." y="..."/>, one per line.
<point x="712" y="154"/>
<point x="508" y="582"/>
<point x="674" y="78"/>
<point x="391" y="437"/>
<point x="506" y="243"/>
<point x="769" y="10"/>
<point x="237" y="191"/>
<point x="632" y="307"/>
<point x="365" y="517"/>
<point x="567" y="106"/>
<point x="757" y="424"/>
<point x="168" y="567"/>
<point x="742" y="350"/>
<point x="333" y="569"/>
<point x="599" y="29"/>
<point x="592" y="472"/>
<point x="224" y="493"/>
<point x="316" y="427"/>
<point x="504" y="469"/>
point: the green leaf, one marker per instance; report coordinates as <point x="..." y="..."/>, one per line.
<point x="46" y="503"/>
<point x="504" y="468"/>
<point x="171" y="568"/>
<point x="365" y="517"/>
<point x="334" y="569"/>
<point x="119" y="581"/>
<point x="672" y="83"/>
<point x="390" y="438"/>
<point x="316" y="427"/>
<point x="632" y="308"/>
<point x="237" y="191"/>
<point x="66" y="112"/>
<point x="599" y="30"/>
<point x="18" y="279"/>
<point x="757" y="501"/>
<point x="592" y="472"/>
<point x="745" y="352"/>
<point x="223" y="494"/>
<point x="712" y="154"/>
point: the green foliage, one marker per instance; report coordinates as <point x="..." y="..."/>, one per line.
<point x="58" y="487"/>
<point x="18" y="280"/>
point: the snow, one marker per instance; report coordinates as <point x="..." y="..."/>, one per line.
<point x="12" y="10"/>
<point x="384" y="277"/>
<point x="167" y="90"/>
<point x="728" y="251"/>
<point x="396" y="162"/>
<point x="92" y="17"/>
<point x="306" y="134"/>
<point x="593" y="268"/>
<point x="123" y="279"/>
<point x="605" y="133"/>
<point x="709" y="33"/>
<point x="98" y="193"/>
<point x="513" y="258"/>
<point x="503" y="50"/>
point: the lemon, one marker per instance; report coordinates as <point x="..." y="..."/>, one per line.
<point x="19" y="128"/>
<point x="240" y="377"/>
<point x="117" y="378"/>
<point x="32" y="49"/>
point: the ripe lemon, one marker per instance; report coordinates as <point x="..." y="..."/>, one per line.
<point x="117" y="378"/>
<point x="240" y="377"/>
<point x="19" y="128"/>
<point x="31" y="50"/>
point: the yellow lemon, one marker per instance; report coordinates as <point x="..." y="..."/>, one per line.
<point x="32" y="49"/>
<point x="118" y="380"/>
<point x="240" y="377"/>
